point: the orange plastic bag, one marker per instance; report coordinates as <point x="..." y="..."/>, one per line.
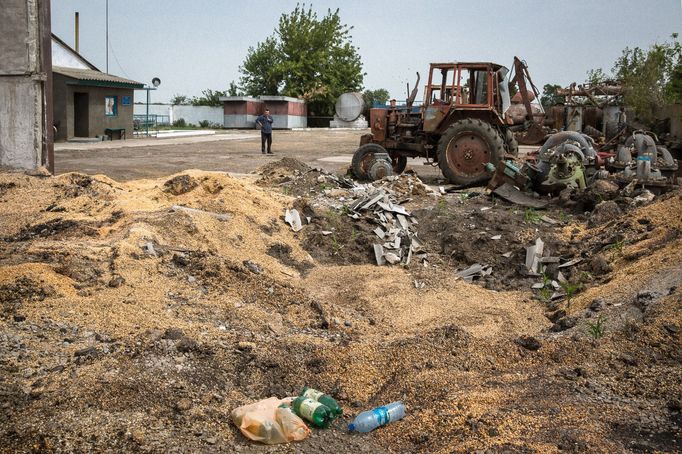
<point x="267" y="422"/>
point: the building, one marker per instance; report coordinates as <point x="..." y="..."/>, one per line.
<point x="242" y="111"/>
<point x="86" y="101"/>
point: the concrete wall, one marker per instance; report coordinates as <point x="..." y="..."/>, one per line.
<point x="24" y="139"/>
<point x="191" y="114"/>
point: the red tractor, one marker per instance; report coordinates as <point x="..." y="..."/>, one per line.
<point x="462" y="124"/>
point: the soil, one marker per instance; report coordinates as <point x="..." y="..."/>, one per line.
<point x="128" y="324"/>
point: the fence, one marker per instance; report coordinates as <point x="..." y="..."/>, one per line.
<point x="191" y="114"/>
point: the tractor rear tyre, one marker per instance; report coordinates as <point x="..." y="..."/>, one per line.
<point x="465" y="148"/>
<point x="367" y="154"/>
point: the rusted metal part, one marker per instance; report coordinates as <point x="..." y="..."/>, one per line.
<point x="468" y="153"/>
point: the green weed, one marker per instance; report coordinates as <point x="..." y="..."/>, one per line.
<point x="530" y="216"/>
<point x="596" y="329"/>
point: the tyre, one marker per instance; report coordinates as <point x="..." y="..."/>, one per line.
<point x="365" y="156"/>
<point x="465" y="148"/>
<point x="399" y="163"/>
<point x="510" y="143"/>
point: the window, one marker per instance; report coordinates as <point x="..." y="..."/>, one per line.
<point x="110" y="106"/>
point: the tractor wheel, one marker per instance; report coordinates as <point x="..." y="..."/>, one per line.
<point x="367" y="155"/>
<point x="465" y="148"/>
<point x="399" y="164"/>
<point x="510" y="142"/>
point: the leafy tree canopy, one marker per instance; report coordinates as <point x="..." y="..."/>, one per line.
<point x="306" y="57"/>
<point x="550" y="97"/>
<point x="179" y="100"/>
<point x="209" y="98"/>
<point x="372" y="97"/>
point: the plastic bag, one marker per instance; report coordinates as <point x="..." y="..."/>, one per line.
<point x="267" y="422"/>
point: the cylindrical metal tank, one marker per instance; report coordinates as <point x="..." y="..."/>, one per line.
<point x="349" y="106"/>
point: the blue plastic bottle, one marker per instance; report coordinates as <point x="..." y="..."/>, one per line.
<point x="369" y="420"/>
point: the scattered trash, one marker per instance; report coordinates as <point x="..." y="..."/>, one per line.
<point x="292" y="218"/>
<point x="315" y="412"/>
<point x="419" y="284"/>
<point x="270" y="421"/>
<point x="367" y="421"/>
<point x="496" y="237"/>
<point x="322" y="398"/>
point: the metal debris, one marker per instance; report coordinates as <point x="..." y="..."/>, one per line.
<point x="533" y="255"/>
<point x="514" y="195"/>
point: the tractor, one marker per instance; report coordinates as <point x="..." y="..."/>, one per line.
<point x="461" y="126"/>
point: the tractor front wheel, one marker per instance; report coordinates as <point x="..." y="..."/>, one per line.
<point x="372" y="162"/>
<point x="465" y="148"/>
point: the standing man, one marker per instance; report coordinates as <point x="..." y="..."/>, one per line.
<point x="264" y="123"/>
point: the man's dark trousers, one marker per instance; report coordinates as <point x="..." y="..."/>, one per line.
<point x="265" y="137"/>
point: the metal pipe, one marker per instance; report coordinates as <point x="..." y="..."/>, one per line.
<point x="146" y="120"/>
<point x="77" y="33"/>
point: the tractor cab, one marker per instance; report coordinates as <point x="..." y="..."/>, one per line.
<point x="464" y="86"/>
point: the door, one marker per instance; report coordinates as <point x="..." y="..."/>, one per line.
<point x="81" y="103"/>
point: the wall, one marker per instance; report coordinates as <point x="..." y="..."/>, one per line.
<point x="241" y="112"/>
<point x="24" y="139"/>
<point x="191" y="114"/>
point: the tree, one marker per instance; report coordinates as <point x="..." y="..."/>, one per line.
<point x="233" y="90"/>
<point x="651" y="78"/>
<point x="596" y="76"/>
<point x="209" y="98"/>
<point x="372" y="97"/>
<point x="179" y="100"/>
<point x="550" y="97"/>
<point x="306" y="57"/>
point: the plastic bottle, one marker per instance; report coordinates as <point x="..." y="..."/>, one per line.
<point x="369" y="420"/>
<point x="324" y="399"/>
<point x="315" y="412"/>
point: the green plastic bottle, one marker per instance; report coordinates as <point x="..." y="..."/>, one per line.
<point x="315" y="412"/>
<point x="325" y="399"/>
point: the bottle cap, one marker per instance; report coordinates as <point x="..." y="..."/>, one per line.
<point x="351" y="427"/>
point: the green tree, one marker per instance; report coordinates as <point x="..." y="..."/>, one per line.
<point x="306" y="57"/>
<point x="179" y="100"/>
<point x="550" y="97"/>
<point x="651" y="78"/>
<point x="596" y="76"/>
<point x="258" y="70"/>
<point x="209" y="98"/>
<point x="371" y="97"/>
<point x="234" y="90"/>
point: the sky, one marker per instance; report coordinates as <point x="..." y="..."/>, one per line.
<point x="200" y="44"/>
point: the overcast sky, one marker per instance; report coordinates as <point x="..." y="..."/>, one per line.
<point x="194" y="45"/>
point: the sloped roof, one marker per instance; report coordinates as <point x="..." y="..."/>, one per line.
<point x="68" y="50"/>
<point x="96" y="77"/>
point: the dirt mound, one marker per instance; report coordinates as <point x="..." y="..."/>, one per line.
<point x="281" y="171"/>
<point x="137" y="319"/>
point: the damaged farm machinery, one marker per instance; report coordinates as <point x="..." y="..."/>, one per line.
<point x="463" y="124"/>
<point x="571" y="159"/>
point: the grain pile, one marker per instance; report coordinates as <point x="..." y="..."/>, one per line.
<point x="135" y="316"/>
